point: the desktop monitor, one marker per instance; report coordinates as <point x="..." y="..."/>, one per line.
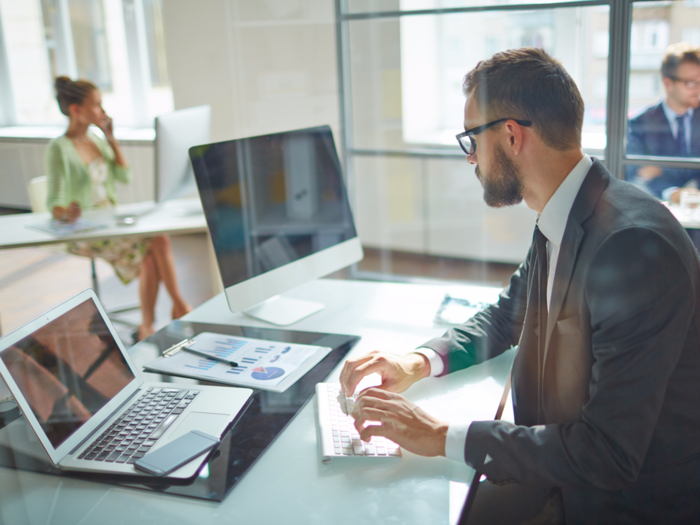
<point x="176" y="133"/>
<point x="278" y="215"/>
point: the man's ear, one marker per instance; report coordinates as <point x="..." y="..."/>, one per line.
<point x="514" y="136"/>
<point x="667" y="82"/>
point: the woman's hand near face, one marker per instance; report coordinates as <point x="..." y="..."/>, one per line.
<point x="107" y="128"/>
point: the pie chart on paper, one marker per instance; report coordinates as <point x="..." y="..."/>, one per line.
<point x="262" y="373"/>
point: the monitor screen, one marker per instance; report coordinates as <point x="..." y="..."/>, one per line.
<point x="272" y="201"/>
<point x="68" y="369"/>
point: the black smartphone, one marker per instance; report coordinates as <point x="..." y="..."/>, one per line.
<point x="176" y="453"/>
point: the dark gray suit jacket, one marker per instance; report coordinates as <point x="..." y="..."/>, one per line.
<point x="609" y="409"/>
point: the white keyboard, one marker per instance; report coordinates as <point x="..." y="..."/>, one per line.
<point x="337" y="433"/>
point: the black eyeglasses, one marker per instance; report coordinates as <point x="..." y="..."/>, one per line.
<point x="690" y="84"/>
<point x="466" y="139"/>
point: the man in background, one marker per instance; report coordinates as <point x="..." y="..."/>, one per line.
<point x="670" y="128"/>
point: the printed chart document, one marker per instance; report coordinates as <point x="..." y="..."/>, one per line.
<point x="61" y="229"/>
<point x="267" y="365"/>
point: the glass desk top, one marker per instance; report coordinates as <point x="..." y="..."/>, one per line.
<point x="252" y="432"/>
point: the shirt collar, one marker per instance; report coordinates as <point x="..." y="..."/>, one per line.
<point x="552" y="220"/>
<point x="671" y="115"/>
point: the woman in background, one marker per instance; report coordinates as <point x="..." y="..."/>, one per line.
<point x="82" y="169"/>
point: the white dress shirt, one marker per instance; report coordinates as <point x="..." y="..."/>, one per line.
<point x="552" y="223"/>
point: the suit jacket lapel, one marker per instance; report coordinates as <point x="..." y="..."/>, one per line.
<point x="661" y="130"/>
<point x="695" y="134"/>
<point x="593" y="185"/>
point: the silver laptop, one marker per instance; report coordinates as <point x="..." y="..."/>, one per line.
<point x="84" y="400"/>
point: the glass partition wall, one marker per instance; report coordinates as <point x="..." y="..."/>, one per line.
<point x="418" y="204"/>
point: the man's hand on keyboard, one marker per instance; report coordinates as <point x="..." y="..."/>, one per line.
<point x="398" y="372"/>
<point x="402" y="422"/>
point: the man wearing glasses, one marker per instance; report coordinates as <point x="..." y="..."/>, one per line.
<point x="670" y="128"/>
<point x="605" y="312"/>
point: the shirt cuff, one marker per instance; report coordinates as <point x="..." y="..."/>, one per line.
<point x="436" y="365"/>
<point x="456" y="441"/>
<point x="666" y="194"/>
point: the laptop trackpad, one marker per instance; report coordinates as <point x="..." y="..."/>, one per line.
<point x="207" y="422"/>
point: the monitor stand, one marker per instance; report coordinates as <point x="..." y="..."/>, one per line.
<point x="283" y="311"/>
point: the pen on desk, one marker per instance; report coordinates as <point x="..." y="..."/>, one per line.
<point x="209" y="356"/>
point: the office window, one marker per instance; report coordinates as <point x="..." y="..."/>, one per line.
<point x="103" y="41"/>
<point x="415" y="196"/>
<point x="406" y="72"/>
<point x="87" y="21"/>
<point x="447" y="46"/>
<point x="155" y="35"/>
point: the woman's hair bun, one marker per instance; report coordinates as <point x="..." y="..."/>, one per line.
<point x="71" y="92"/>
<point x="62" y="83"/>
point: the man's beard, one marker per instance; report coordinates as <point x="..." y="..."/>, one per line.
<point x="503" y="186"/>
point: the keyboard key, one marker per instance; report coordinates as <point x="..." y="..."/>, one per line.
<point x="113" y="456"/>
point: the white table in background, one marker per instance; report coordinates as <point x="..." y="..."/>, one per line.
<point x="173" y="217"/>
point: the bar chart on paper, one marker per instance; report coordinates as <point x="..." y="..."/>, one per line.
<point x="203" y="364"/>
<point x="225" y="348"/>
<point x="241" y="361"/>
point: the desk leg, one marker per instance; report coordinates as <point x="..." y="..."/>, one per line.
<point x="216" y="284"/>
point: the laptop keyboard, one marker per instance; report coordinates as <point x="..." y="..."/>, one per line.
<point x="138" y="428"/>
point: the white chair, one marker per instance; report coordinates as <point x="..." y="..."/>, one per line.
<point x="38" y="192"/>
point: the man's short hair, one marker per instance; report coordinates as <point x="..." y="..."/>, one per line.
<point x="677" y="54"/>
<point x="529" y="84"/>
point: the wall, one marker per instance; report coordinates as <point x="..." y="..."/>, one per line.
<point x="23" y="159"/>
<point x="263" y="66"/>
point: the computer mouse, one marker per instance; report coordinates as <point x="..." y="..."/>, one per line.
<point x="126" y="220"/>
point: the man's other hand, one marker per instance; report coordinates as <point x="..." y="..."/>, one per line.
<point x="649" y="172"/>
<point x="400" y="421"/>
<point x="398" y="372"/>
<point x="676" y="195"/>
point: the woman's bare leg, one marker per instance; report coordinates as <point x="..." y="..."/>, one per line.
<point x="149" y="282"/>
<point x="162" y="252"/>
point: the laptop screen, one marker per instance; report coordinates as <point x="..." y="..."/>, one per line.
<point x="68" y="369"/>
